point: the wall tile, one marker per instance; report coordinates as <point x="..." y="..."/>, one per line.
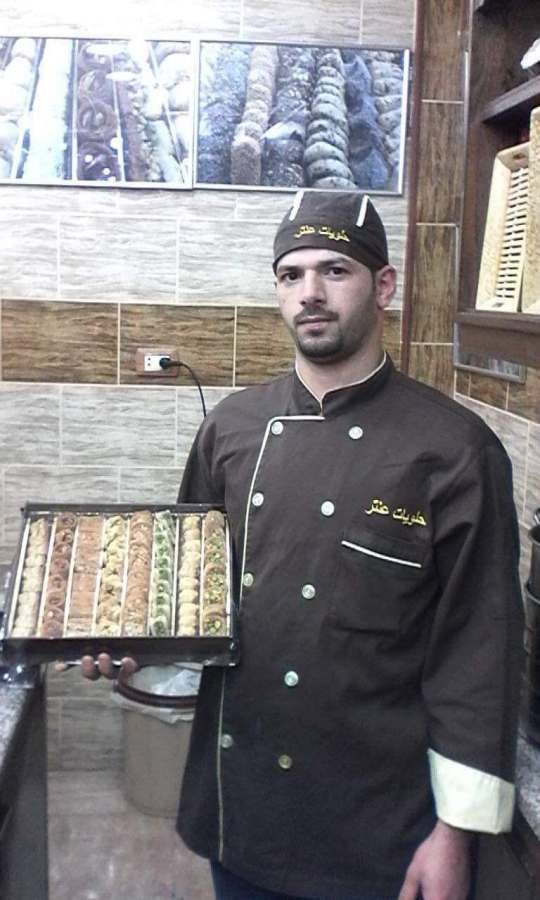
<point x="432" y="364"/>
<point x="29" y="424"/>
<point x="513" y="433"/>
<point x="117" y="258"/>
<point x="55" y="201"/>
<point x="281" y="20"/>
<point x="125" y="425"/>
<point x="90" y="734"/>
<point x="388" y="24"/>
<point x="263" y="346"/>
<point x="203" y="335"/>
<point x="441" y="160"/>
<point x="532" y="486"/>
<point x="149" y="485"/>
<point x="54" y="484"/>
<point x="525" y="554"/>
<point x="59" y="341"/>
<point x="443" y="58"/>
<point x="524" y="399"/>
<point x="29" y="252"/>
<point x="493" y="391"/>
<point x="392" y="327"/>
<point x="271" y="207"/>
<point x="227" y="262"/>
<point x="463" y="382"/>
<point x="186" y="206"/>
<point x="479" y="408"/>
<point x="189" y="417"/>
<point x="397" y="244"/>
<point x="434" y="284"/>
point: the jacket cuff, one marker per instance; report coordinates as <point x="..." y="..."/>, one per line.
<point x="469" y="798"/>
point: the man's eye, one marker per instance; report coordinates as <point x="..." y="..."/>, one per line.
<point x="336" y="270"/>
<point x="289" y="276"/>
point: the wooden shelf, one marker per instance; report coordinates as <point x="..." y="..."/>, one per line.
<point x="514" y="104"/>
<point x="510" y="336"/>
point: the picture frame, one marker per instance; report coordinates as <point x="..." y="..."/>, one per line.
<point x="281" y="116"/>
<point x="102" y="112"/>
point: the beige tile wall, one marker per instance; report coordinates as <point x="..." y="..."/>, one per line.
<point x="76" y="431"/>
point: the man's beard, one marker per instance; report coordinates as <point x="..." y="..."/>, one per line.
<point x="335" y="345"/>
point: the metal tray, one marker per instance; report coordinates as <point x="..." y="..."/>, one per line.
<point x="206" y="649"/>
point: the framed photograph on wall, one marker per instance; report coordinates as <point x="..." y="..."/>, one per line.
<point x="284" y="116"/>
<point x="96" y="112"/>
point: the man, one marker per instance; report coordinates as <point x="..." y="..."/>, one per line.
<point x="370" y="724"/>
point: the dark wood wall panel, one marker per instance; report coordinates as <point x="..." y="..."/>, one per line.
<point x="433" y="365"/>
<point x="264" y="347"/>
<point x="59" y="341"/>
<point x="204" y="337"/>
<point x="443" y="42"/>
<point x="442" y="144"/>
<point x="434" y="291"/>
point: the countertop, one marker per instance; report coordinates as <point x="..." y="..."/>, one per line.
<point x="14" y="698"/>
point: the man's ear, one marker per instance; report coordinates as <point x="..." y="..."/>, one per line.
<point x="385" y="285"/>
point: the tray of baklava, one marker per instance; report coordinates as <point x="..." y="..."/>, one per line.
<point x="154" y="583"/>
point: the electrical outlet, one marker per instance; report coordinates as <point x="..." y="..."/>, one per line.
<point x="147" y="361"/>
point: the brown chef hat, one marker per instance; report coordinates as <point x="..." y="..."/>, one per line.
<point x="347" y="222"/>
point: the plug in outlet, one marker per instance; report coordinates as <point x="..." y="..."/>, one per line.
<point x="147" y="361"/>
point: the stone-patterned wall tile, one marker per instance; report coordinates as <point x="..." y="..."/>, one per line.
<point x="149" y="485"/>
<point x="29" y="252"/>
<point x="513" y="432"/>
<point x="29" y="424"/>
<point x="434" y="284"/>
<point x="432" y="364"/>
<point x="59" y="341"/>
<point x="90" y="734"/>
<point x="186" y="206"/>
<point x="524" y="399"/>
<point x="493" y="391"/>
<point x="281" y="20"/>
<point x="389" y="24"/>
<point x="397" y="244"/>
<point x="525" y="554"/>
<point x="443" y="57"/>
<point x="227" y="262"/>
<point x="264" y="347"/>
<point x="116" y="258"/>
<point x="203" y="335"/>
<point x="271" y="207"/>
<point x="54" y="484"/>
<point x="463" y="382"/>
<point x="190" y="417"/>
<point x="532" y="485"/>
<point x="474" y="405"/>
<point x="124" y="426"/>
<point x="392" y="327"/>
<point x="441" y="160"/>
<point x="53" y="202"/>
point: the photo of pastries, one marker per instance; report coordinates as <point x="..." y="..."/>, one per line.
<point x="282" y="116"/>
<point x="107" y="112"/>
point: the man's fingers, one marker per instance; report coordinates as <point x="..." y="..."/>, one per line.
<point x="88" y="668"/>
<point x="128" y="665"/>
<point x="410" y="888"/>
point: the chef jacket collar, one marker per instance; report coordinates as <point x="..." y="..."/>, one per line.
<point x="340" y="399"/>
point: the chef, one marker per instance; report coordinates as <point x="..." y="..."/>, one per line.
<point x="370" y="725"/>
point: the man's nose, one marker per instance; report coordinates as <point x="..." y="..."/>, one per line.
<point x="313" y="288"/>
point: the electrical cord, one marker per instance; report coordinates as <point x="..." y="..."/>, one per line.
<point x="167" y="363"/>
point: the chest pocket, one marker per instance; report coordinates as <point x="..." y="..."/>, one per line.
<point x="381" y="582"/>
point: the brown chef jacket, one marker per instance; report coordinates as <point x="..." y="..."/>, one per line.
<point x="381" y="622"/>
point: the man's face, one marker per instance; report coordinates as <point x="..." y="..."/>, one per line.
<point x="328" y="302"/>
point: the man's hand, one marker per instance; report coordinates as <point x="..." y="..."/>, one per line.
<point x="440" y="868"/>
<point x="104" y="665"/>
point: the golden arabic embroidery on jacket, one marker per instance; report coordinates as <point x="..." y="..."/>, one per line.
<point x="400" y="513"/>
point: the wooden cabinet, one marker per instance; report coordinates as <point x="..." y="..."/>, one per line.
<point x="501" y="97"/>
